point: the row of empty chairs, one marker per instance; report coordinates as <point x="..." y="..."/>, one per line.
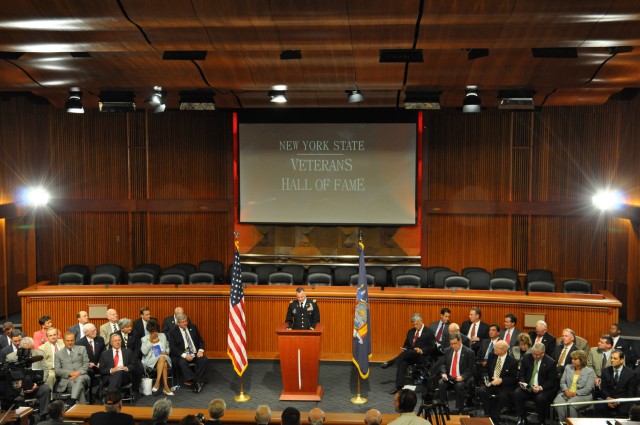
<point x="207" y="272"/>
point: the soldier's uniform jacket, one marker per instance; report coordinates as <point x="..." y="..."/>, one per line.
<point x="306" y="317"/>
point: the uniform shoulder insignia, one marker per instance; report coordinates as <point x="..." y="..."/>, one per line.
<point x="291" y="302"/>
<point x="314" y="300"/>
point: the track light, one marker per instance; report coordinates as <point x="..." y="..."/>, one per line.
<point x="354" y="96"/>
<point x="472" y="100"/>
<point x="278" y="96"/>
<point x="156" y="100"/>
<point x="74" y="104"/>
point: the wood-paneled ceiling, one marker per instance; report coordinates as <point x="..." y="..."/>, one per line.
<point x="340" y="41"/>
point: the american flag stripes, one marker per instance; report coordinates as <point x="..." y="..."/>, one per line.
<point x="237" y="336"/>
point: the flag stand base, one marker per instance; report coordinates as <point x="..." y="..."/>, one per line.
<point x="358" y="400"/>
<point x="242" y="397"/>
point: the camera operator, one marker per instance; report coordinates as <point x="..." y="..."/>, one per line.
<point x="30" y="387"/>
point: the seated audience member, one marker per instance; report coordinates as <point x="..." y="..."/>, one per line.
<point x="634" y="413"/>
<point x="455" y="328"/>
<point x="187" y="347"/>
<point x="509" y="333"/>
<point x="263" y="415"/>
<point x="404" y="403"/>
<point x="373" y="417"/>
<point x="140" y="324"/>
<point x="617" y="381"/>
<point x="316" y="416"/>
<point x="475" y="328"/>
<point x="541" y="335"/>
<point x="600" y="356"/>
<point x="440" y="327"/>
<point x="5" y="340"/>
<point x="71" y="365"/>
<point x="78" y="331"/>
<point x="420" y="341"/>
<point x="55" y="412"/>
<point x="457" y="371"/>
<point x="16" y="337"/>
<point x="112" y="414"/>
<point x="155" y="351"/>
<point x="130" y="338"/>
<point x="40" y="337"/>
<point x="216" y="409"/>
<point x="561" y="352"/>
<point x="538" y="382"/>
<point x="622" y="344"/>
<point x="111" y="326"/>
<point x="160" y="412"/>
<point x="31" y="389"/>
<point x="290" y="416"/>
<point x="50" y="350"/>
<point x="502" y="379"/>
<point x="170" y="322"/>
<point x="190" y="420"/>
<point x="523" y="347"/>
<point x="95" y="346"/>
<point x="486" y="345"/>
<point x="116" y="365"/>
<point x="576" y="384"/>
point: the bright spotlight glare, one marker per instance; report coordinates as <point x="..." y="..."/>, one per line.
<point x="607" y="200"/>
<point x="38" y="197"/>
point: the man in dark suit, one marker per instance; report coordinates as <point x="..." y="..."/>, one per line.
<point x="16" y="337"/>
<point x="187" y="347"/>
<point x="474" y="328"/>
<point x="501" y="381"/>
<point x="130" y="338"/>
<point x="622" y="344"/>
<point x="71" y="366"/>
<point x="486" y="346"/>
<point x="5" y="339"/>
<point x="457" y="371"/>
<point x="561" y="353"/>
<point x="111" y="414"/>
<point x="420" y="342"/>
<point x="455" y="328"/>
<point x="140" y="325"/>
<point x="302" y="313"/>
<point x="95" y="345"/>
<point x="83" y="319"/>
<point x="509" y="333"/>
<point x="617" y="381"/>
<point x="170" y="322"/>
<point x="538" y="382"/>
<point x="440" y="327"/>
<point x="116" y="364"/>
<point x="541" y="335"/>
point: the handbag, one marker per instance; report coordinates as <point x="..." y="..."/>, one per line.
<point x="146" y="384"/>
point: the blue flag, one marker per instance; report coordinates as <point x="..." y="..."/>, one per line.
<point x="361" y="324"/>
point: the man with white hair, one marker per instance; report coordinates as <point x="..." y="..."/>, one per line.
<point x="316" y="416"/>
<point x="31" y="389"/>
<point x="111" y="326"/>
<point x="263" y="414"/>
<point x="373" y="417"/>
<point x="72" y="364"/>
<point x="50" y="350"/>
<point x="540" y="335"/>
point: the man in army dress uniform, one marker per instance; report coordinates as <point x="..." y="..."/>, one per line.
<point x="302" y="313"/>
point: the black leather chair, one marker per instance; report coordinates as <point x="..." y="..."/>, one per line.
<point x="296" y="270"/>
<point x="479" y="279"/>
<point x="380" y="275"/>
<point x="319" y="268"/>
<point x="419" y="271"/>
<point x="144" y="274"/>
<point x="172" y="276"/>
<point x="541" y="286"/>
<point x="431" y="275"/>
<point x="249" y="278"/>
<point x="408" y="281"/>
<point x="112" y="274"/>
<point x="264" y="271"/>
<point x="440" y="276"/>
<point x="502" y="284"/>
<point x="280" y="278"/>
<point x="353" y="280"/>
<point x="342" y="275"/>
<point x="576" y="286"/>
<point x="508" y="274"/>
<point x="74" y="274"/>
<point x="322" y="279"/>
<point x="457" y="282"/>
<point x="468" y="270"/>
<point x="539" y="275"/>
<point x="209" y="271"/>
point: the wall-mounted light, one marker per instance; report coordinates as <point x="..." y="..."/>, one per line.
<point x="278" y="96"/>
<point x="37" y="197"/>
<point x="74" y="104"/>
<point x="354" y="96"/>
<point x="471" y="103"/>
<point x="607" y="200"/>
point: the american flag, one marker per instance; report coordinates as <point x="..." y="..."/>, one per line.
<point x="237" y="336"/>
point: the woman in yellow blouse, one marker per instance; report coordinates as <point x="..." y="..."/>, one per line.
<point x="576" y="384"/>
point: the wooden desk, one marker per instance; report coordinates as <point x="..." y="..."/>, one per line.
<point x="266" y="306"/>
<point x="23" y="414"/>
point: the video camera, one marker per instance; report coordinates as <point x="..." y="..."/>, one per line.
<point x="18" y="376"/>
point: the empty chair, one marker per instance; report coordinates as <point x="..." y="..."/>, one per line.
<point x="535" y="275"/>
<point x="458" y="282"/>
<point x="142" y="272"/>
<point x="322" y="279"/>
<point x="296" y="270"/>
<point x="541" y="286"/>
<point x="431" y="275"/>
<point x="479" y="279"/>
<point x="408" y="281"/>
<point x="380" y="275"/>
<point x="173" y="275"/>
<point x="508" y="274"/>
<point x="187" y="267"/>
<point x="440" y="276"/>
<point x="421" y="272"/>
<point x="395" y="272"/>
<point x="342" y="275"/>
<point x="280" y="278"/>
<point x="468" y="270"/>
<point x="243" y="268"/>
<point x="502" y="284"/>
<point x="74" y="274"/>
<point x="263" y="271"/>
<point x="249" y="278"/>
<point x="353" y="280"/>
<point x="201" y="278"/>
<point x="576" y="286"/>
<point x="108" y="274"/>
<point x="213" y="267"/>
<point x="319" y="268"/>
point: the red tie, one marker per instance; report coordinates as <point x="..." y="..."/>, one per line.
<point x="507" y="337"/>
<point x="116" y="359"/>
<point x="415" y="337"/>
<point x="439" y="334"/>
<point x="454" y="365"/>
<point x="473" y="331"/>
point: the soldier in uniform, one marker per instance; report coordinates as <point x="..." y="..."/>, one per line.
<point x="302" y="313"/>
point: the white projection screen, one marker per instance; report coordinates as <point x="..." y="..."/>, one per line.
<point x="318" y="173"/>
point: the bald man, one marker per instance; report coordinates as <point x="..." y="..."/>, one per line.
<point x="111" y="326"/>
<point x="373" y="417"/>
<point x="316" y="416"/>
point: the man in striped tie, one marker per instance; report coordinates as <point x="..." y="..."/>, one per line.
<point x="502" y="380"/>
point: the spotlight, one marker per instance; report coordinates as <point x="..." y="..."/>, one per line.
<point x="156" y="100"/>
<point x="472" y="100"/>
<point x="354" y="96"/>
<point x="278" y="96"/>
<point x="74" y="104"/>
<point x="37" y="197"/>
<point x="607" y="200"/>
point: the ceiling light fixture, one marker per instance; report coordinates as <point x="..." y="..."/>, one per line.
<point x="354" y="96"/>
<point x="278" y="96"/>
<point x="157" y="100"/>
<point x="74" y="103"/>
<point x="471" y="103"/>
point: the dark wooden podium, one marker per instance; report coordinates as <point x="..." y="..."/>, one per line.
<point x="299" y="363"/>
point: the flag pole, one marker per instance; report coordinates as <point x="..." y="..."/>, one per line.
<point x="236" y="339"/>
<point x="361" y="329"/>
<point x="358" y="399"/>
<point x="242" y="397"/>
